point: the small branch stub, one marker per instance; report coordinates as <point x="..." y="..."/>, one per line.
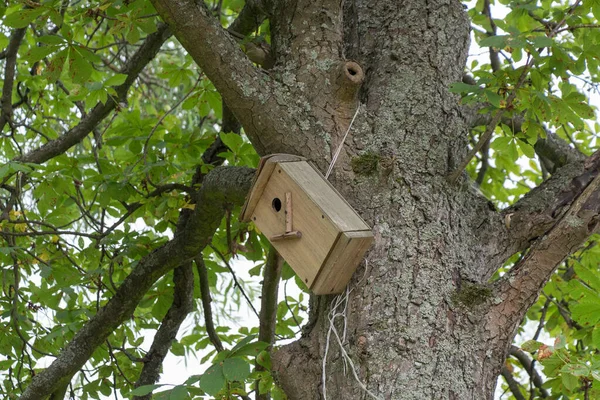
<point x="349" y="79"/>
<point x="353" y="72"/>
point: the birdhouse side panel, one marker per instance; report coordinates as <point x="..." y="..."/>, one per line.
<point x="331" y="203"/>
<point x="306" y="254"/>
<point x="345" y="257"/>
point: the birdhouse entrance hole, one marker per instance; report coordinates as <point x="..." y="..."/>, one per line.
<point x="276" y="204"/>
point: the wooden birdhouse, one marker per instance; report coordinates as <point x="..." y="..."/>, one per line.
<point x="309" y="223"/>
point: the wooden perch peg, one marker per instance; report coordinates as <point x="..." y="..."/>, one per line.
<point x="289" y="232"/>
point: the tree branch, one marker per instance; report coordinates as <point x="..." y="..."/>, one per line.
<point x="494" y="54"/>
<point x="183" y="302"/>
<point x="552" y="150"/>
<point x="268" y="305"/>
<point x="250" y="18"/>
<point x="527" y="363"/>
<point x="513" y="385"/>
<point x="206" y="300"/>
<point x="223" y="185"/>
<point x="564" y="212"/>
<point x="9" y="75"/>
<point x="247" y="91"/>
<point x="270" y="289"/>
<point x="540" y="209"/>
<point x="146" y="52"/>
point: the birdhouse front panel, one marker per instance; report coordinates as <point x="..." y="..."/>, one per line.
<point x="308" y="222"/>
<point x="308" y="252"/>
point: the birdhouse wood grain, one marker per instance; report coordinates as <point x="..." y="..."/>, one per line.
<point x="309" y="223"/>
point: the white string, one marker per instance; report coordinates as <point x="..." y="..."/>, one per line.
<point x="339" y="300"/>
<point x="339" y="149"/>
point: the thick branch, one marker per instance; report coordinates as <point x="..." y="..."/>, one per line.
<point x="270" y="288"/>
<point x="538" y="211"/>
<point x="566" y="211"/>
<point x="9" y="75"/>
<point x="223" y="185"/>
<point x="250" y="18"/>
<point x="183" y="301"/>
<point x="132" y="69"/>
<point x="556" y="152"/>
<point x="247" y="91"/>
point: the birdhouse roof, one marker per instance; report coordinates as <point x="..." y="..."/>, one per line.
<point x="312" y="183"/>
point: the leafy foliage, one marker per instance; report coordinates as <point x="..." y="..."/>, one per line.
<point x="75" y="225"/>
<point x="558" y="95"/>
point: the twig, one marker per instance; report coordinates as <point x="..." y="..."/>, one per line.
<point x="513" y="385"/>
<point x="235" y="280"/>
<point x="206" y="300"/>
<point x="527" y="364"/>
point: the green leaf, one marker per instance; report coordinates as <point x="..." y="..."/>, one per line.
<point x="569" y="381"/>
<point x="242" y="343"/>
<point x="179" y="393"/>
<point x="193" y="379"/>
<point x="278" y="394"/>
<point x="51" y="40"/>
<point x="498" y="42"/>
<point x="264" y="360"/>
<point x="22" y="18"/>
<point x="596" y="338"/>
<point x="494" y="98"/>
<point x="212" y="380"/>
<point x="115" y="80"/>
<point x="531" y="346"/>
<point x="56" y="65"/>
<point x="37" y="53"/>
<point x="143" y="390"/>
<point x="236" y="369"/>
<point x="526" y="148"/>
<point x="79" y="68"/>
<point x="577" y="369"/>
<point x="542" y="41"/>
<point x="587" y="311"/>
<point x="501" y="143"/>
<point x="587" y="276"/>
<point x="232" y="140"/>
<point x="460" y="87"/>
<point x="250" y="349"/>
<point x="560" y="342"/>
<point x="3" y="41"/>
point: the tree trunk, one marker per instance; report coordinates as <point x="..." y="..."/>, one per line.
<point x="407" y="333"/>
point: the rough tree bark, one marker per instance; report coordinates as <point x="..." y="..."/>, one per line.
<point x="424" y="322"/>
